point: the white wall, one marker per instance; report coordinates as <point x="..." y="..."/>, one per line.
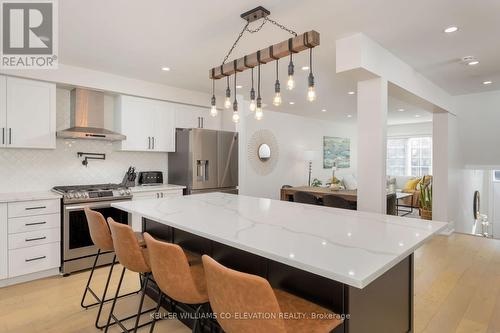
<point x="479" y="119"/>
<point x="38" y="170"/>
<point x="410" y="130"/>
<point x="294" y="135"/>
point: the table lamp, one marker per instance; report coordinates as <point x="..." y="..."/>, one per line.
<point x="309" y="156"/>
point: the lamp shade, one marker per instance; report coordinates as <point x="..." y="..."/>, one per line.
<point x="309" y="155"/>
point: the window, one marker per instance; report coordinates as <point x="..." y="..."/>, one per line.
<point x="409" y="156"/>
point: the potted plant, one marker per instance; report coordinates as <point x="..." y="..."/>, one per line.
<point x="426" y="198"/>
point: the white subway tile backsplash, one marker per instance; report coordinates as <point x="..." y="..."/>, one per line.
<point x="37" y="170"/>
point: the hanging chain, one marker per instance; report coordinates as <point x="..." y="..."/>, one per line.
<point x="281" y="26"/>
<point x="235" y="43"/>
<point x="252" y="31"/>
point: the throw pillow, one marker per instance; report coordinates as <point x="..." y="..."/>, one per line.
<point x="411" y="185"/>
<point x="350" y="182"/>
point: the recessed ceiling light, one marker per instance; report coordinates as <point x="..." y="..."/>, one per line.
<point x="291" y="103"/>
<point x="239" y="87"/>
<point x="323" y="110"/>
<point x="451" y="29"/>
<point x="166" y="69"/>
<point x="417" y="116"/>
<point x="473" y="63"/>
<point x="305" y="68"/>
<point x="351" y="92"/>
<point x="401" y="110"/>
<point x="487" y="82"/>
<point x="349" y="116"/>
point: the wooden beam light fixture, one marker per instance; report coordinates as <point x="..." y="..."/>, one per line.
<point x="297" y="43"/>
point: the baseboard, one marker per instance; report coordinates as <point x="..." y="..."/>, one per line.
<point x="447" y="232"/>
<point x="29" y="277"/>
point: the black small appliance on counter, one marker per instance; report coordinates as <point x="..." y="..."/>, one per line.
<point x="150" y="178"/>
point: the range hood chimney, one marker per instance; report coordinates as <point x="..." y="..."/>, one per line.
<point x="87" y="117"/>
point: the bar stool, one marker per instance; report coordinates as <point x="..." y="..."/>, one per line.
<point x="101" y="237"/>
<point x="232" y="292"/>
<point x="134" y="258"/>
<point x="175" y="277"/>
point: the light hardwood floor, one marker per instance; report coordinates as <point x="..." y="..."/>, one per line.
<point x="457" y="289"/>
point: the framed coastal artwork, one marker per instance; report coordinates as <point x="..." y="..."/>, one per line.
<point x="336" y="149"/>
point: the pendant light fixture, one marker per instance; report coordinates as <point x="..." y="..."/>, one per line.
<point x="258" y="111"/>
<point x="213" y="109"/>
<point x="227" y="101"/>
<point x="277" y="88"/>
<point x="311" y="91"/>
<point x="253" y="105"/>
<point x="236" y="115"/>
<point x="290" y="83"/>
<point x="295" y="44"/>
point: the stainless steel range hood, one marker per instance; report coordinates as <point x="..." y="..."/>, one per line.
<point x="87" y="117"/>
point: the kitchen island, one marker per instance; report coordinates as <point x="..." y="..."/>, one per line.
<point x="355" y="263"/>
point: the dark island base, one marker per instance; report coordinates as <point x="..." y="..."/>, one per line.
<point x="384" y="306"/>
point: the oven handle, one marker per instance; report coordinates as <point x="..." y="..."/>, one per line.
<point x="93" y="205"/>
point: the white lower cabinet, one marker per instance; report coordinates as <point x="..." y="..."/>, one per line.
<point x="34" y="259"/>
<point x="4" y="255"/>
<point x="153" y="194"/>
<point x="30" y="237"/>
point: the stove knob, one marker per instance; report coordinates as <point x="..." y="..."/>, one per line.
<point x="127" y="192"/>
<point x="69" y="195"/>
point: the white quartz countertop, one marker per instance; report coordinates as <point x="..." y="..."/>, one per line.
<point x="28" y="196"/>
<point x="351" y="247"/>
<point x="161" y="187"/>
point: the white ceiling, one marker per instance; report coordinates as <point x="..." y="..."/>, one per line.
<point x="136" y="38"/>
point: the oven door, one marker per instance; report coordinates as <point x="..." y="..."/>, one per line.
<point x="76" y="235"/>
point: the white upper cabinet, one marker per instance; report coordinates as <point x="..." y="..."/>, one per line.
<point x="148" y="124"/>
<point x="27" y="113"/>
<point x="3" y="241"/>
<point x="188" y="116"/>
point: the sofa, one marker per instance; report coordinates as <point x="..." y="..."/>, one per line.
<point x="397" y="184"/>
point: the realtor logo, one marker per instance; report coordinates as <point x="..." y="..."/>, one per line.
<point x="29" y="34"/>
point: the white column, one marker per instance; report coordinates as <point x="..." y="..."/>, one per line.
<point x="372" y="145"/>
<point x="440" y="166"/>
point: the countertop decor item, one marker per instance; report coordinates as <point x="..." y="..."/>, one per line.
<point x="297" y="43"/>
<point x="316" y="182"/>
<point x="309" y="156"/>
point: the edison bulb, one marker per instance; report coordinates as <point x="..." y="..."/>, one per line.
<point x="277" y="99"/>
<point x="227" y="102"/>
<point x="290" y="84"/>
<point x="311" y="94"/>
<point x="258" y="113"/>
<point x="213" y="111"/>
<point x="252" y="106"/>
<point x="236" y="117"/>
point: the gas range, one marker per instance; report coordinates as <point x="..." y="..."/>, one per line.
<point x="92" y="193"/>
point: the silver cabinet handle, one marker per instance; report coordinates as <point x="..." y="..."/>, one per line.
<point x="3" y="135"/>
<point x="149" y="142"/>
<point x="202" y="122"/>
<point x="157" y="195"/>
<point x="34" y="223"/>
<point x="38" y="207"/>
<point x="10" y="136"/>
<point x="153" y="142"/>
<point x="161" y="195"/>
<point x="37" y="258"/>
<point x="34" y="239"/>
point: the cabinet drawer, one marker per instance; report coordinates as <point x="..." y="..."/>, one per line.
<point x="34" y="259"/>
<point x="34" y="223"/>
<point x="30" y="208"/>
<point x="172" y="194"/>
<point x="33" y="238"/>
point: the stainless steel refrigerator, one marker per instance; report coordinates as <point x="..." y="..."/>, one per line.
<point x="204" y="161"/>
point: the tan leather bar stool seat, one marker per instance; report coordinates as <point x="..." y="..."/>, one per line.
<point x="233" y="292"/>
<point x="174" y="275"/>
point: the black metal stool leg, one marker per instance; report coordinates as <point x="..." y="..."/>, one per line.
<point x="103" y="299"/>
<point x="114" y="302"/>
<point x="87" y="287"/>
<point x="158" y="305"/>
<point x="141" y="302"/>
